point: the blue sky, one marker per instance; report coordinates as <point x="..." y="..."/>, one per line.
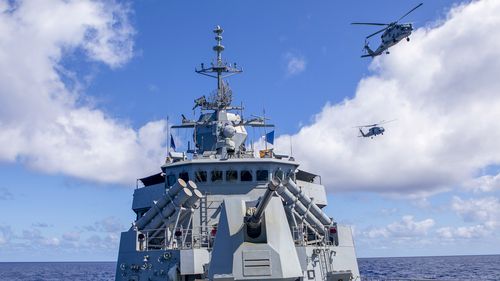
<point x="87" y="88"/>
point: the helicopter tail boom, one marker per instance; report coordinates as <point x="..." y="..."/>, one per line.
<point x="370" y="52"/>
<point x="362" y="134"/>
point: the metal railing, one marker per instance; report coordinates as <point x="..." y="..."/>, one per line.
<point x="204" y="237"/>
<point x="177" y="238"/>
<point x="303" y="237"/>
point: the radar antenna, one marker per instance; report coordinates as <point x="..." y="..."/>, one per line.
<point x="219" y="69"/>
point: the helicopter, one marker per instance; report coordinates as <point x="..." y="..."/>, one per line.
<point x="393" y="33"/>
<point x="375" y="129"/>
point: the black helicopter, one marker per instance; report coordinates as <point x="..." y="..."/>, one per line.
<point x="393" y="33"/>
<point x="375" y="129"/>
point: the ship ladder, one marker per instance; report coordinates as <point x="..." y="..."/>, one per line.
<point x="204" y="221"/>
<point x="323" y="263"/>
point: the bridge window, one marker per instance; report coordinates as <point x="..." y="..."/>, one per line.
<point x="231" y="175"/>
<point x="262" y="175"/>
<point x="171" y="180"/>
<point x="184" y="176"/>
<point x="200" y="176"/>
<point x="246" y="175"/>
<point x="216" y="176"/>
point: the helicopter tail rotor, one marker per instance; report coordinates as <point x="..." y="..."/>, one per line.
<point x="365" y="46"/>
<point x="368" y="52"/>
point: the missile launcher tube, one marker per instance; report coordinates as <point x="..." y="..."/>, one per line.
<point x="191" y="185"/>
<point x="296" y="216"/>
<point x="302" y="210"/>
<point x="197" y="195"/>
<point x="160" y="204"/>
<point x="170" y="209"/>
<point x="187" y="209"/>
<point x="306" y="201"/>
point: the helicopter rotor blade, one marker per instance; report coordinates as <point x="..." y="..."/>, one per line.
<point x="376" y="124"/>
<point x="385" y="122"/>
<point x="373" y="34"/>
<point x="369" y="23"/>
<point x="366" y="126"/>
<point x="416" y="7"/>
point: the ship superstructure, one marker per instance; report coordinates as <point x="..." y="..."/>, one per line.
<point x="219" y="212"/>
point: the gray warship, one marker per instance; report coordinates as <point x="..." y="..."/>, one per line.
<point x="221" y="211"/>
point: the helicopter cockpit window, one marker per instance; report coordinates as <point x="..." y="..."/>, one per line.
<point x="216" y="176"/>
<point x="231" y="175"/>
<point x="262" y="175"/>
<point x="171" y="180"/>
<point x="184" y="176"/>
<point x="246" y="175"/>
<point x="200" y="176"/>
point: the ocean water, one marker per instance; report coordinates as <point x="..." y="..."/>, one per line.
<point x="372" y="269"/>
<point x="57" y="271"/>
<point x="434" y="268"/>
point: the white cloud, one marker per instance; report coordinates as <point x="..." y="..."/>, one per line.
<point x="72" y="236"/>
<point x="443" y="89"/>
<point x="52" y="241"/>
<point x="376" y="232"/>
<point x="463" y="232"/>
<point x="295" y="64"/>
<point x="34" y="238"/>
<point x="405" y="228"/>
<point x="484" y="210"/>
<point x="5" y="234"/>
<point x="485" y="183"/>
<point x="103" y="235"/>
<point x="44" y="122"/>
<point x="108" y="224"/>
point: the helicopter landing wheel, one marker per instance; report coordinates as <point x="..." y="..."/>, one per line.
<point x="408" y="39"/>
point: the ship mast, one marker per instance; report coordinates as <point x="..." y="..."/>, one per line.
<point x="220" y="131"/>
<point x="219" y="70"/>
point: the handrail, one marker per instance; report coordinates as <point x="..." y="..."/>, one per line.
<point x="179" y="238"/>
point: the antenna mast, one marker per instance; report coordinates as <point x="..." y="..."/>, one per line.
<point x="219" y="70"/>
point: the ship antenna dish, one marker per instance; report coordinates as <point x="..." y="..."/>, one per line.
<point x="219" y="70"/>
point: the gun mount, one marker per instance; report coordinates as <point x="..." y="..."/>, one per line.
<point x="254" y="216"/>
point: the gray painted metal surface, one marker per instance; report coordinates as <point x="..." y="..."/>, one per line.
<point x="218" y="212"/>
